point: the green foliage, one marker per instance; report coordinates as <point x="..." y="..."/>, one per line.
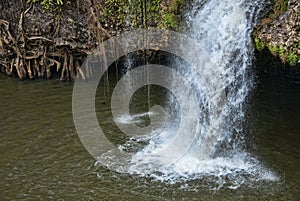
<point x="49" y="5"/>
<point x="164" y="14"/>
<point x="293" y="58"/>
<point x="286" y="56"/>
<point x="114" y="12"/>
<point x="171" y="15"/>
<point x="279" y="7"/>
<point x="296" y="44"/>
<point x="260" y="45"/>
<point x="170" y="20"/>
<point x="120" y="13"/>
<point x="282" y="53"/>
<point x="273" y="49"/>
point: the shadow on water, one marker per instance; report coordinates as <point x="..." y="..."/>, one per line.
<point x="42" y="157"/>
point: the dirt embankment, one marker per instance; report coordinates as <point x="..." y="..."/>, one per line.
<point x="39" y="38"/>
<point x="34" y="43"/>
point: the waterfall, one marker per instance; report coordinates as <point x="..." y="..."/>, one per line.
<point x="215" y="124"/>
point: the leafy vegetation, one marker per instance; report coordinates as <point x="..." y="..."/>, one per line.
<point x="285" y="55"/>
<point x="49" y="5"/>
<point x="172" y="14"/>
<point x="260" y="45"/>
<point x="280" y="6"/>
<point x="121" y="14"/>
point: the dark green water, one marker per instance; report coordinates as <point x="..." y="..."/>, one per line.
<point x="42" y="158"/>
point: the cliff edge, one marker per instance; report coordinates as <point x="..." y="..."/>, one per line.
<point x="279" y="31"/>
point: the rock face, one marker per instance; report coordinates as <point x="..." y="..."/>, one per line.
<point x="280" y="31"/>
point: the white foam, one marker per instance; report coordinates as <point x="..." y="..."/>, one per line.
<point x="131" y="119"/>
<point x="222" y="28"/>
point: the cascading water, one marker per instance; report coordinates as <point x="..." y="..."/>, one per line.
<point x="217" y="152"/>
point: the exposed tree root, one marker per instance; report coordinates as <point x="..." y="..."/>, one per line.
<point x="30" y="50"/>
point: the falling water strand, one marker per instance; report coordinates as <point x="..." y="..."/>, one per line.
<point x="217" y="156"/>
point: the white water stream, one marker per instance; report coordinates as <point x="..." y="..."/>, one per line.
<point x="218" y="153"/>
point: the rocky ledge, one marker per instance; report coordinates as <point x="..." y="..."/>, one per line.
<point x="279" y="32"/>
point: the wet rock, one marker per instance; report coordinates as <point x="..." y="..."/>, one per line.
<point x="282" y="31"/>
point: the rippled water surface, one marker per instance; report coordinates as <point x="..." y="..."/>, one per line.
<point x="42" y="157"/>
